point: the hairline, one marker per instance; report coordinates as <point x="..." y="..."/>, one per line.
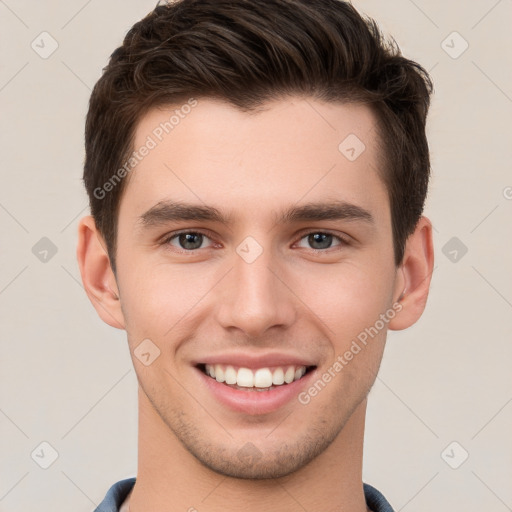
<point x="383" y="171"/>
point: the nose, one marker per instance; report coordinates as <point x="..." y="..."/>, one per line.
<point x="255" y="296"/>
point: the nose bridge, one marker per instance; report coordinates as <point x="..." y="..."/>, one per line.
<point x="255" y="281"/>
<point x="254" y="299"/>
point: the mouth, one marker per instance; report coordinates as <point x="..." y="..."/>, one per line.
<point x="252" y="382"/>
<point x="263" y="379"/>
<point x="254" y="391"/>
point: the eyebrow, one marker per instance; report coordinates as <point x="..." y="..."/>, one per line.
<point x="168" y="211"/>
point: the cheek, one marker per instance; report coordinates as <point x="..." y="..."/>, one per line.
<point x="156" y="299"/>
<point x="348" y="297"/>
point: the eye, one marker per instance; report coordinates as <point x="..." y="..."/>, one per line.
<point x="191" y="241"/>
<point x="186" y="240"/>
<point x="319" y="240"/>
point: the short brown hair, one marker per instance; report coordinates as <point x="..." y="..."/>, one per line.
<point x="248" y="52"/>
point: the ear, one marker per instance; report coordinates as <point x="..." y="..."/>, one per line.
<point x="414" y="276"/>
<point x="97" y="275"/>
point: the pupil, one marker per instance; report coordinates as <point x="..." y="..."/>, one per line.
<point x="324" y="239"/>
<point x="187" y="240"/>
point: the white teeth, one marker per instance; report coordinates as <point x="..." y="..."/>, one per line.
<point x="219" y="373"/>
<point x="278" y="377"/>
<point x="262" y="378"/>
<point x="230" y="375"/>
<point x="245" y="378"/>
<point x="299" y="372"/>
<point x="289" y="375"/>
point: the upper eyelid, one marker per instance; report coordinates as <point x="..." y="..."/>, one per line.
<point x="173" y="234"/>
<point x="342" y="238"/>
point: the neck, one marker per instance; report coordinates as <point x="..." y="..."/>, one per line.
<point x="171" y="478"/>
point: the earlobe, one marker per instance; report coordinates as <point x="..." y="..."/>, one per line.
<point x="97" y="277"/>
<point x="416" y="269"/>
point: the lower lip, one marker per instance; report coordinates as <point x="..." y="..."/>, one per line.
<point x="255" y="402"/>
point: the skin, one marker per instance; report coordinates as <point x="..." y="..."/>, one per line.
<point x="296" y="297"/>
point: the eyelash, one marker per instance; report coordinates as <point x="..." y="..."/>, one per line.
<point x="344" y="241"/>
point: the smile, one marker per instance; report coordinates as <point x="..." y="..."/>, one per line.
<point x="260" y="379"/>
<point x="257" y="390"/>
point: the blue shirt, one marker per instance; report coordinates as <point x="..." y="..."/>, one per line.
<point x="120" y="490"/>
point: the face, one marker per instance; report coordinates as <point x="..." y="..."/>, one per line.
<point x="253" y="248"/>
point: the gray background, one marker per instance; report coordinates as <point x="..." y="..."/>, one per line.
<point x="67" y="378"/>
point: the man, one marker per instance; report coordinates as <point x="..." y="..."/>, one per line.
<point x="257" y="173"/>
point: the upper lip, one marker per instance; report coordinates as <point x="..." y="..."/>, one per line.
<point x="254" y="361"/>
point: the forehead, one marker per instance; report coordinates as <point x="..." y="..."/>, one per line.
<point x="287" y="152"/>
